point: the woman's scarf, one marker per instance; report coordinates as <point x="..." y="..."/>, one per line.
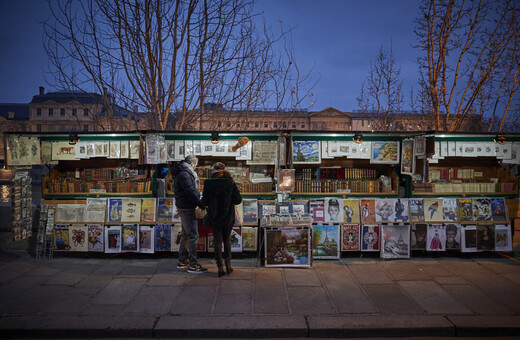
<point x="194" y="174"/>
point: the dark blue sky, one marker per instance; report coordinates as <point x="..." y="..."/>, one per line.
<point x="336" y="37"/>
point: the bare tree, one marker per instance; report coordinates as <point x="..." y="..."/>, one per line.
<point x="468" y="68"/>
<point x="166" y="58"/>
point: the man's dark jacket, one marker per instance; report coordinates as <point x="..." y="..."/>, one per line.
<point x="186" y="195"/>
<point x="221" y="195"/>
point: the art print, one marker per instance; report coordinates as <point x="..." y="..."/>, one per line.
<point x="135" y="147"/>
<point x="176" y="217"/>
<point x="245" y="152"/>
<point x="299" y="207"/>
<point x="96" y="209"/>
<point x="176" y="237"/>
<point x="368" y="211"/>
<point x="63" y="151"/>
<point x="482" y="209"/>
<point x="46" y="153"/>
<point x="317" y="207"/>
<point x="450" y="210"/>
<point x="180" y="152"/>
<point x="333" y="210"/>
<point x="146" y="239"/>
<point x="263" y="153"/>
<point x="418" y="236"/>
<point x="305" y="152"/>
<point x="24" y="150"/>
<point x="401" y="210"/>
<point x="385" y="210"/>
<point x="485" y="237"/>
<point x="164" y="209"/>
<point x="170" y="150"/>
<point x="197" y="147"/>
<point x="155" y="149"/>
<point x="131" y="209"/>
<point x="465" y="209"/>
<point x="283" y="208"/>
<point x="113" y="239"/>
<point x="325" y="150"/>
<point x="236" y="239"/>
<point x="148" y="210"/>
<point x="504" y="151"/>
<point x="515" y="154"/>
<point x="98" y="149"/>
<point x="332" y="149"/>
<point x="250" y="208"/>
<point x="351" y="210"/>
<point x="420" y="146"/>
<point x="267" y="209"/>
<point x="96" y="241"/>
<point x="407" y="157"/>
<point x="468" y="238"/>
<point x="207" y="148"/>
<point x="115" y="209"/>
<point x="503" y="238"/>
<point x="287" y="246"/>
<point x="350" y="237"/>
<point x="498" y="209"/>
<point x="129" y="237"/>
<point x="61" y="237"/>
<point x="163" y="237"/>
<point x="326" y="241"/>
<point x="436" y="237"/>
<point x="385" y="152"/>
<point x="469" y="149"/>
<point x="70" y="213"/>
<point x="249" y="238"/>
<point x="365" y="150"/>
<point x="78" y="237"/>
<point x="344" y="148"/>
<point x="416" y="210"/>
<point x="395" y="241"/>
<point x="433" y="209"/>
<point x="370" y="237"/>
<point x="452" y="149"/>
<point x="453" y="236"/>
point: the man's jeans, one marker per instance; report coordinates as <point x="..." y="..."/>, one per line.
<point x="189" y="232"/>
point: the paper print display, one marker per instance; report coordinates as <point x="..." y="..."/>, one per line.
<point x="147" y="210"/>
<point x="176" y="236"/>
<point x="418" y="236"/>
<point x="465" y="209"/>
<point x="436" y="237"/>
<point x="317" y="207"/>
<point x="498" y="209"/>
<point x="350" y="237"/>
<point x="450" y="210"/>
<point x="113" y="239"/>
<point x="385" y="152"/>
<point x="135" y="147"/>
<point x="452" y="236"/>
<point x="395" y="241"/>
<point x="115" y="209"/>
<point x="78" y="237"/>
<point x="370" y="237"/>
<point x="407" y="157"/>
<point x="61" y="237"/>
<point x="63" y="151"/>
<point x="131" y="210"/>
<point x="70" y="213"/>
<point x="96" y="241"/>
<point x="164" y="209"/>
<point x="287" y="246"/>
<point x="146" y="239"/>
<point x="250" y="208"/>
<point x="155" y="149"/>
<point x="503" y="238"/>
<point x="114" y="149"/>
<point x="129" y="237"/>
<point x="368" y="211"/>
<point x="351" y="210"/>
<point x="385" y="210"/>
<point x="482" y="209"/>
<point x="170" y="150"/>
<point x="325" y="241"/>
<point x="306" y="152"/>
<point x="401" y="210"/>
<point x="176" y="217"/>
<point x="163" y="237"/>
<point x="416" y="210"/>
<point x="249" y="238"/>
<point x="266" y="209"/>
<point x="468" y="238"/>
<point x="24" y="150"/>
<point x="485" y="237"/>
<point x="96" y="208"/>
<point x="433" y="209"/>
<point x="420" y="146"/>
<point x="333" y="210"/>
<point x="236" y="239"/>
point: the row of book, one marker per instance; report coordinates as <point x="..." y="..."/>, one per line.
<point x="490" y="187"/>
<point x="336" y="173"/>
<point x="331" y="185"/>
<point x="70" y="186"/>
<point x="107" y="173"/>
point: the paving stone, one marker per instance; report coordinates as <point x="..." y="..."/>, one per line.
<point x="369" y="273"/>
<point x="240" y="273"/>
<point x="269" y="292"/>
<point x="153" y="301"/>
<point x="167" y="266"/>
<point x="233" y="304"/>
<point x="20" y="285"/>
<point x="432" y="298"/>
<point x="70" y="304"/>
<point x="310" y="300"/>
<point x="11" y="271"/>
<point x="500" y="265"/>
<point x="139" y="268"/>
<point x="346" y="294"/>
<point x="167" y="279"/>
<point x="111" y="267"/>
<point x="94" y="281"/>
<point x="476" y="300"/>
<point x="91" y="309"/>
<point x="403" y="270"/>
<point x="202" y="279"/>
<point x="194" y="300"/>
<point x="479" y="326"/>
<point x="432" y="268"/>
<point x="450" y="280"/>
<point x="236" y="287"/>
<point x="35" y="300"/>
<point x="390" y="299"/>
<point x="301" y="277"/>
<point x="65" y="279"/>
<point x="120" y="291"/>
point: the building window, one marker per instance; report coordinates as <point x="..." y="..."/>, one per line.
<point x="303" y="125"/>
<point x="219" y="124"/>
<point x="238" y="125"/>
<point x="39" y="111"/>
<point x="51" y="112"/>
<point x="293" y="125"/>
<point x="85" y="128"/>
<point x="229" y="124"/>
<point x="275" y="125"/>
<point x="256" y="124"/>
<point x="39" y="128"/>
<point x="85" y="112"/>
<point x="62" y="112"/>
<point x="285" y="125"/>
<point x="363" y="123"/>
<point x="74" y="112"/>
<point x="266" y="125"/>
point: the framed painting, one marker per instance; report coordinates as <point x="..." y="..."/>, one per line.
<point x="395" y="241"/>
<point x="63" y="151"/>
<point x="325" y="241"/>
<point x="420" y="146"/>
<point x="250" y="209"/>
<point x="288" y="246"/>
<point x="407" y="157"/>
<point x="249" y="238"/>
<point x="131" y="209"/>
<point x="385" y="152"/>
<point x="350" y="237"/>
<point x="306" y="152"/>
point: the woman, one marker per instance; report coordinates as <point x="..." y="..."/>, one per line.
<point x="220" y="195"/>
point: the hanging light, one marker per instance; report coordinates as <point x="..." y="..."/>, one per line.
<point x="215" y="137"/>
<point x="73" y="138"/>
<point x="358" y="137"/>
<point x="500" y="139"/>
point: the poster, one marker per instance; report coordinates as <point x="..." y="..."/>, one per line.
<point x="326" y="241"/>
<point x="113" y="239"/>
<point x="370" y="237"/>
<point x="395" y="241"/>
<point x="306" y="152"/>
<point x="453" y="236"/>
<point x="96" y="241"/>
<point x="78" y="237"/>
<point x="436" y="237"/>
<point x="350" y="237"/>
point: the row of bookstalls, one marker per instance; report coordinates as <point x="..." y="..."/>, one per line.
<point x="306" y="195"/>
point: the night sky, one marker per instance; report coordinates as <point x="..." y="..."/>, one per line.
<point x="337" y="38"/>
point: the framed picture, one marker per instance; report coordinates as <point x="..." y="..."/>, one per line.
<point x="468" y="238"/>
<point x="420" y="146"/>
<point x="436" y="237"/>
<point x="114" y="149"/>
<point x="263" y="153"/>
<point x="407" y="157"/>
<point x="453" y="236"/>
<point x="385" y="152"/>
<point x="288" y="246"/>
<point x="503" y="238"/>
<point x="249" y="238"/>
<point x="395" y="241"/>
<point x="418" y="236"/>
<point x="306" y="152"/>
<point x="325" y="241"/>
<point x="350" y="237"/>
<point x="146" y="239"/>
<point x="250" y="209"/>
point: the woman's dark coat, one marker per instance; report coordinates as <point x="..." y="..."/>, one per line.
<point x="221" y="195"/>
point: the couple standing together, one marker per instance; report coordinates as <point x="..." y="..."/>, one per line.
<point x="220" y="195"/>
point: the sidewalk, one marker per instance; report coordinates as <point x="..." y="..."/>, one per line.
<point x="146" y="297"/>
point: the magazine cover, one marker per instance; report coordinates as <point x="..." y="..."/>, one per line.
<point x="96" y="238"/>
<point x="368" y="211"/>
<point x="129" y="237"/>
<point x="503" y="238"/>
<point x="325" y="241"/>
<point x="416" y="209"/>
<point x="436" y="237"/>
<point x="350" y="237"/>
<point x="449" y="210"/>
<point x="317" y="209"/>
<point x="453" y="236"/>
<point x="468" y="238"/>
<point x="176" y="235"/>
<point x="395" y="241"/>
<point x="482" y="209"/>
<point x="351" y="210"/>
<point x="236" y="239"/>
<point x="131" y="210"/>
<point x="61" y="237"/>
<point x="78" y="237"/>
<point x="433" y="209"/>
<point x="96" y="208"/>
<point x="163" y="237"/>
<point x="498" y="209"/>
<point x="287" y="246"/>
<point x="164" y="209"/>
<point x="465" y="209"/>
<point x="113" y="239"/>
<point x="370" y="237"/>
<point x="146" y="239"/>
<point x="485" y="237"/>
<point x="385" y="209"/>
<point x="418" y="236"/>
<point x="148" y="210"/>
<point x="114" y="209"/>
<point x="249" y="238"/>
<point x="401" y="210"/>
<point x="250" y="208"/>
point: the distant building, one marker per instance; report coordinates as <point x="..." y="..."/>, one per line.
<point x="13" y="117"/>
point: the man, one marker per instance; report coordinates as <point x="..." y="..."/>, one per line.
<point x="187" y="198"/>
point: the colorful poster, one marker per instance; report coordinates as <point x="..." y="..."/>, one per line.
<point x="249" y="238"/>
<point x="416" y="209"/>
<point x="305" y="152"/>
<point x="370" y="237"/>
<point x="433" y="209"/>
<point x="333" y="210"/>
<point x="436" y="237"/>
<point x="78" y="237"/>
<point x="146" y="239"/>
<point x="115" y="207"/>
<point x="385" y="152"/>
<point x="113" y="239"/>
<point x="482" y="209"/>
<point x="407" y="157"/>
<point x="96" y="241"/>
<point x="250" y="208"/>
<point x="325" y="241"/>
<point x="164" y="209"/>
<point x="465" y="209"/>
<point x="129" y="237"/>
<point x="148" y="210"/>
<point x="351" y="210"/>
<point x="163" y="237"/>
<point x="350" y="237"/>
<point x="287" y="246"/>
<point x="131" y="209"/>
<point x="368" y="211"/>
<point x="449" y="210"/>
<point x="453" y="236"/>
<point x="395" y="241"/>
<point x="61" y="237"/>
<point x="498" y="209"/>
